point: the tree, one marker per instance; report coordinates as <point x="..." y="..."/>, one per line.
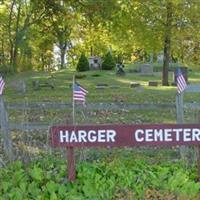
<point x="83" y="64"/>
<point x="150" y="25"/>
<point x="21" y="16"/>
<point x="108" y="62"/>
<point x="94" y="32"/>
<point x="62" y="22"/>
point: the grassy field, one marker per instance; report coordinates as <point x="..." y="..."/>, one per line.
<point x="106" y="174"/>
<point x="118" y="91"/>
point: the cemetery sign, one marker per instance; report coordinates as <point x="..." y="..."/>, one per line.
<point x="121" y="135"/>
<point x="125" y="135"/>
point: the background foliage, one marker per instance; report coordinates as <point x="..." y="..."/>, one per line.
<point x="108" y="62"/>
<point x="116" y="175"/>
<point x="83" y="64"/>
<point x="32" y="31"/>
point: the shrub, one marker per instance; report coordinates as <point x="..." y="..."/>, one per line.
<point x="83" y="64"/>
<point x="80" y="76"/>
<point x="108" y="63"/>
<point x="6" y="69"/>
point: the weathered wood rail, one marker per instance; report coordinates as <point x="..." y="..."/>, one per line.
<point x="92" y="106"/>
<point x="64" y="106"/>
<point x="6" y="126"/>
<point x="99" y="106"/>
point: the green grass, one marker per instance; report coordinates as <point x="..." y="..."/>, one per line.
<point x="134" y="173"/>
<point x="62" y="80"/>
<point x="63" y="92"/>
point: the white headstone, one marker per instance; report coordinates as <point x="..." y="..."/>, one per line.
<point x="146" y="69"/>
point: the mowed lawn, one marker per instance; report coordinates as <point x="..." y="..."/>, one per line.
<point x="118" y="91"/>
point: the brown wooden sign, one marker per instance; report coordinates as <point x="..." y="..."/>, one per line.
<point x="125" y="135"/>
<point x="121" y="135"/>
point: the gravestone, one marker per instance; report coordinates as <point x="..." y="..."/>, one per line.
<point x="134" y="84"/>
<point x="184" y="71"/>
<point x="120" y="69"/>
<point x="146" y="70"/>
<point x="153" y="83"/>
<point x="101" y="86"/>
<point x="37" y="85"/>
<point x="160" y="58"/>
<point x="19" y="86"/>
<point x="114" y="86"/>
<point x="95" y="62"/>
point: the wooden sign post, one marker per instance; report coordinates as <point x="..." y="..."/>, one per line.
<point x="4" y="128"/>
<point x="122" y="136"/>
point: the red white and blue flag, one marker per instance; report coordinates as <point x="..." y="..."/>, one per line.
<point x="181" y="83"/>
<point x="79" y="93"/>
<point x="2" y="84"/>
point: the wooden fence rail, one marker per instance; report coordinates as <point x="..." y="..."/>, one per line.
<point x="7" y="126"/>
<point x="92" y="106"/>
<point x="28" y="126"/>
<point x="99" y="106"/>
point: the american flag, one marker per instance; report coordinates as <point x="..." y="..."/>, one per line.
<point x="181" y="83"/>
<point x="2" y="84"/>
<point x="79" y="93"/>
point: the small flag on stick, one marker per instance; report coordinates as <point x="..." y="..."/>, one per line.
<point x="181" y="83"/>
<point x="79" y="93"/>
<point x="2" y="84"/>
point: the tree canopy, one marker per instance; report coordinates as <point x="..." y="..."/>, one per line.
<point x="32" y="31"/>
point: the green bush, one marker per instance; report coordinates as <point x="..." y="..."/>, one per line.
<point x="108" y="62"/>
<point x="83" y="64"/>
<point x="80" y="76"/>
<point x="6" y="69"/>
<point x="118" y="177"/>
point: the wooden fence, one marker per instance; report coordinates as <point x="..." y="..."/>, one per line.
<point x="181" y="105"/>
<point x="7" y="126"/>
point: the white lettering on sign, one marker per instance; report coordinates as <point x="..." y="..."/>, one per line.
<point x="187" y="135"/>
<point x="82" y="135"/>
<point x="63" y="137"/>
<point x="87" y="136"/>
<point x="196" y="134"/>
<point x="149" y="135"/>
<point x="167" y="135"/>
<point x="177" y="133"/>
<point x="91" y="136"/>
<point x="139" y="135"/>
<point x="158" y="135"/>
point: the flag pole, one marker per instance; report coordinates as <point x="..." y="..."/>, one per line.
<point x="71" y="171"/>
<point x="73" y="103"/>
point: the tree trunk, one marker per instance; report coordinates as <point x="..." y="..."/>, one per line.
<point x="10" y="32"/>
<point x="17" y="39"/>
<point x="91" y="51"/>
<point x="167" y="44"/>
<point x="62" y="57"/>
<point x="2" y="55"/>
<point x="166" y="61"/>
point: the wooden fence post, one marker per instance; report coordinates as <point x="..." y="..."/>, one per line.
<point x="7" y="141"/>
<point x="198" y="163"/>
<point x="180" y="120"/>
<point x="179" y="109"/>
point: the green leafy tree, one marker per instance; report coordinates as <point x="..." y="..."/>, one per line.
<point x="62" y="22"/>
<point x="109" y="62"/>
<point x="158" y="25"/>
<point x="83" y="64"/>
